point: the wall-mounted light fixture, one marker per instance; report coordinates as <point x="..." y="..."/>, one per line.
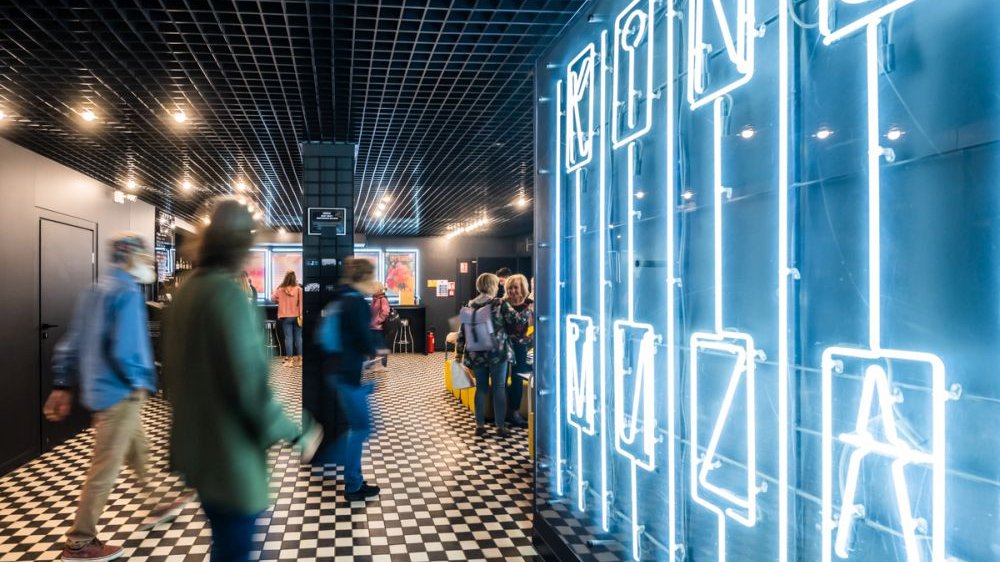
<point x="472" y="226"/>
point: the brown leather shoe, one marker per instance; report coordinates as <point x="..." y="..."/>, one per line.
<point x="94" y="551"/>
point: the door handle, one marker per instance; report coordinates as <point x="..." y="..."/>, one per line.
<point x="45" y="326"/>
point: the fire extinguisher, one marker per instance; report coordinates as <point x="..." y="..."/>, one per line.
<point x="429" y="344"/>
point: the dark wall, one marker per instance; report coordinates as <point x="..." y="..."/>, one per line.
<point x="29" y="186"/>
<point x="439" y="260"/>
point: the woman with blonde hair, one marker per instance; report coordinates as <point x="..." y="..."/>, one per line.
<point x="288" y="295"/>
<point x="517" y="295"/>
<point x="487" y="350"/>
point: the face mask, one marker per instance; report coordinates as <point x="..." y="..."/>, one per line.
<point x="144" y="273"/>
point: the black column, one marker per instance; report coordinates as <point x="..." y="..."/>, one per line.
<point x="328" y="174"/>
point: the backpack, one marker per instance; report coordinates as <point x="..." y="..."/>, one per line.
<point x="328" y="335"/>
<point x="477" y="326"/>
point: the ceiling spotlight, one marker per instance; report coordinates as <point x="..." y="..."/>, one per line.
<point x="748" y="133"/>
<point x="206" y="220"/>
<point x="687" y="195"/>
<point x="130" y="184"/>
<point x="381" y="206"/>
<point x="823" y="134"/>
<point x="378" y="214"/>
<point x="258" y="215"/>
<point x="894" y="134"/>
<point x="250" y="207"/>
<point x="640" y="194"/>
<point x="521" y="201"/>
<point x="88" y="115"/>
<point x="180" y="116"/>
<point x="3" y="115"/>
<point x="386" y="198"/>
<point x="241" y="185"/>
<point x="187" y="185"/>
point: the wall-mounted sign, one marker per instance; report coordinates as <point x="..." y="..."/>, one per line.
<point x="327" y="220"/>
<point x="679" y="417"/>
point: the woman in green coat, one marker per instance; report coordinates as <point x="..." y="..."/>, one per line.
<point x="225" y="416"/>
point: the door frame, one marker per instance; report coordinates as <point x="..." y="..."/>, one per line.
<point x="68" y="220"/>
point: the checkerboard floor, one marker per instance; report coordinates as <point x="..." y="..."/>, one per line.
<point x="446" y="495"/>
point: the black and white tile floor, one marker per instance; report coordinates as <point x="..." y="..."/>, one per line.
<point x="446" y="495"/>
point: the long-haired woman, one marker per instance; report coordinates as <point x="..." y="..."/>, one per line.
<point x="288" y="295"/>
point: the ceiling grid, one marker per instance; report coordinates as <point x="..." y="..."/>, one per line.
<point x="438" y="94"/>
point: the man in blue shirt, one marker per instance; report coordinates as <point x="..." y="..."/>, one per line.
<point x="107" y="355"/>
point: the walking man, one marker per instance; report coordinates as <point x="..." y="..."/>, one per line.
<point x="106" y="355"/>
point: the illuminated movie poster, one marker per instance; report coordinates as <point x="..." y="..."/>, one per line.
<point x="256" y="266"/>
<point x="282" y="263"/>
<point x="401" y="275"/>
<point x="373" y="256"/>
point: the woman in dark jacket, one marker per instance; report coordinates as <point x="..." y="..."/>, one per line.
<point x="521" y="342"/>
<point x="349" y="344"/>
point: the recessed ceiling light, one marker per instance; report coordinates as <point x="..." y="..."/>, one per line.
<point x="258" y="215"/>
<point x="894" y="134"/>
<point x="386" y="198"/>
<point x="187" y="185"/>
<point x="241" y="185"/>
<point x="3" y="115"/>
<point x="640" y="194"/>
<point x="282" y="231"/>
<point x="206" y="220"/>
<point x="130" y="184"/>
<point x="180" y="116"/>
<point x="823" y="134"/>
<point x="250" y="207"/>
<point x="381" y="206"/>
<point x="521" y="201"/>
<point x="88" y="115"/>
<point x="687" y="195"/>
<point x="748" y="133"/>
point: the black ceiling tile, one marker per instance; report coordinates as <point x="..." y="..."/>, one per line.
<point x="425" y="87"/>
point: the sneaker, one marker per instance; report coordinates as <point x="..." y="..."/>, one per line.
<point x="308" y="443"/>
<point x="94" y="551"/>
<point x="517" y="420"/>
<point x="480" y="430"/>
<point x="502" y="432"/>
<point x="165" y="512"/>
<point x="364" y="493"/>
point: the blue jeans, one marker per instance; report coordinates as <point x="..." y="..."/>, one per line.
<point x="293" y="335"/>
<point x="232" y="533"/>
<point x="498" y="375"/>
<point x="516" y="388"/>
<point x="354" y="403"/>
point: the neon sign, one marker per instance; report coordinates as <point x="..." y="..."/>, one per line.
<point x="633" y="370"/>
<point x="738" y="395"/>
<point x="633" y="30"/>
<point x="838" y="530"/>
<point x="734" y="71"/>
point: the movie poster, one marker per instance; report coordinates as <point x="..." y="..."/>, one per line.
<point x="401" y="276"/>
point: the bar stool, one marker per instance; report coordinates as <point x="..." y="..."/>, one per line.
<point x="403" y="342"/>
<point x="271" y="337"/>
